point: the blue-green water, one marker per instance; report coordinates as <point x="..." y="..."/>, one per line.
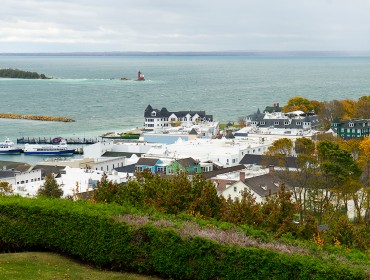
<point x="225" y="86"/>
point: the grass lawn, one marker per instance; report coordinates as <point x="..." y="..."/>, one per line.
<point x="50" y="266"/>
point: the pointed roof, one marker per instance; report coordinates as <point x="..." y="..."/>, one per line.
<point x="187" y="162"/>
<point x="147" y="161"/>
<point x="193" y="132"/>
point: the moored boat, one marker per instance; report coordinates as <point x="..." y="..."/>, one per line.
<point x="60" y="148"/>
<point x="7" y="147"/>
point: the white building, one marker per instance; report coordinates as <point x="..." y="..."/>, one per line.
<point x="86" y="180"/>
<point x="156" y="119"/>
<point x="19" y="178"/>
<point x="222" y="151"/>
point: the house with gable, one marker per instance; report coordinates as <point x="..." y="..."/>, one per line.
<point x="188" y="165"/>
<point x="157" y="119"/>
<point x="147" y="163"/>
<point x="258" y="182"/>
<point x="351" y="128"/>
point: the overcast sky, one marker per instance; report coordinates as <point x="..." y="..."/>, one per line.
<point x="184" y="25"/>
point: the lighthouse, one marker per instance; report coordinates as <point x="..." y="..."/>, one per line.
<point x="140" y="76"/>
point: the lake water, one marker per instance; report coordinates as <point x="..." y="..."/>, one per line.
<point x="88" y="88"/>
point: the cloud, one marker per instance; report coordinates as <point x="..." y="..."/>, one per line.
<point x="192" y="25"/>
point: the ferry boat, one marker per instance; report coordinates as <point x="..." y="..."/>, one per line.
<point x="59" y="148"/>
<point x="7" y="147"/>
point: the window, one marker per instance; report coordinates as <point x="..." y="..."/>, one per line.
<point x="235" y="189"/>
<point x="154" y="114"/>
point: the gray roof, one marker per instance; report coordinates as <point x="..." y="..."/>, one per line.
<point x="147" y="161"/>
<point x="263" y="185"/>
<point x="275" y="108"/>
<point x="164" y="113"/>
<point x="263" y="160"/>
<point x="289" y="122"/>
<point x="358" y="124"/>
<point x="187" y="162"/>
<point x="18" y="166"/>
<point x="216" y="172"/>
<point x="193" y="132"/>
<point x="46" y="169"/>
<point x="128" y="168"/>
<point x="7" y="173"/>
<point x="120" y="154"/>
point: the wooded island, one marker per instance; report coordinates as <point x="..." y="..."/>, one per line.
<point x="20" y="74"/>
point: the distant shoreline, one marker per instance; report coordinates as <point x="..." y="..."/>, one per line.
<point x="205" y="53"/>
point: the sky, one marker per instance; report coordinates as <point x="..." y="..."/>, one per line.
<point x="184" y="25"/>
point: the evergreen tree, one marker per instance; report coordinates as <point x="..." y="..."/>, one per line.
<point x="50" y="188"/>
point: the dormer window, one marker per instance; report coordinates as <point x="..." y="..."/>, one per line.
<point x="263" y="123"/>
<point x="154" y="114"/>
<point x="286" y="123"/>
<point x="276" y="123"/>
<point x="299" y="123"/>
<point x="351" y="124"/>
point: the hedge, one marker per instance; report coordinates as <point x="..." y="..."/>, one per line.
<point x="91" y="233"/>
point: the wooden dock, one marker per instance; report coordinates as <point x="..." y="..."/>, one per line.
<point x="70" y="141"/>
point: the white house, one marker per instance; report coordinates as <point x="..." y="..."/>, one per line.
<point x="156" y="119"/>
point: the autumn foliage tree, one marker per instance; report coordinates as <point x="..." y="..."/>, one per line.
<point x="5" y="188"/>
<point x="298" y="103"/>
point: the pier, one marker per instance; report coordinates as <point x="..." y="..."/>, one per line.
<point x="70" y="141"/>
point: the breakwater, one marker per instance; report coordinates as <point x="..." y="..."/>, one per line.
<point x="37" y="118"/>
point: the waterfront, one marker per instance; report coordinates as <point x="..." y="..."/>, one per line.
<point x="225" y="86"/>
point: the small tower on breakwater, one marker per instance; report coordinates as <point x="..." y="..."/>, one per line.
<point x="140" y="76"/>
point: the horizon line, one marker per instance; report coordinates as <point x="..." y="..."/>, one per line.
<point x="194" y="53"/>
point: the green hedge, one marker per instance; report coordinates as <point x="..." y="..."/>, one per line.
<point x="90" y="232"/>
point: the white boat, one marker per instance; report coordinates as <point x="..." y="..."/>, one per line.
<point x="7" y="147"/>
<point x="60" y="148"/>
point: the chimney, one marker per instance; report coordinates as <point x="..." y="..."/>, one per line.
<point x="271" y="169"/>
<point x="242" y="176"/>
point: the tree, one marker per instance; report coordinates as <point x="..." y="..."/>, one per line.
<point x="107" y="191"/>
<point x="5" y="188"/>
<point x="50" y="188"/>
<point x="362" y="109"/>
<point x="242" y="121"/>
<point x="330" y="111"/>
<point x="339" y="172"/>
<point x="278" y="212"/>
<point x="298" y="103"/>
<point x="304" y="146"/>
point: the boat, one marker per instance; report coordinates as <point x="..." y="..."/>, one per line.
<point x="7" y="147"/>
<point x="58" y="148"/>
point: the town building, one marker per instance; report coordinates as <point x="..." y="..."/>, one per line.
<point x="222" y="152"/>
<point x="297" y="120"/>
<point x="351" y="128"/>
<point x="156" y="119"/>
<point x="16" y="178"/>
